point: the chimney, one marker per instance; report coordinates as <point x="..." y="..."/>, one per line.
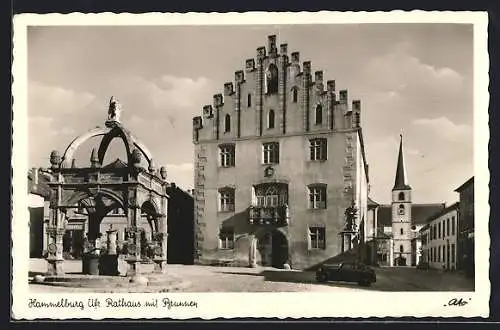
<point x="283" y="49"/>
<point x="307" y="67"/>
<point x="250" y="65"/>
<point x="228" y="88"/>
<point x="239" y="76"/>
<point x="218" y="101"/>
<point x="330" y="85"/>
<point x="343" y="96"/>
<point x="271" y="44"/>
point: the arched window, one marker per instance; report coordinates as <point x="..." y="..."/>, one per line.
<point x="401" y="196"/>
<point x="401" y="249"/>
<point x="319" y="114"/>
<point x="249" y="100"/>
<point x="227" y="123"/>
<point x="295" y="95"/>
<point x="270" y="119"/>
<point x="272" y="79"/>
<point x="401" y="231"/>
<point x="272" y="196"/>
<point x="401" y="209"/>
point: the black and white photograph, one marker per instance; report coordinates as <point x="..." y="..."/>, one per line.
<point x="164" y="162"/>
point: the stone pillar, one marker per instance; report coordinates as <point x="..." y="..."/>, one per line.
<point x="55" y="247"/>
<point x="134" y="235"/>
<point x="160" y="252"/>
<point x="111" y="241"/>
<point x="252" y="253"/>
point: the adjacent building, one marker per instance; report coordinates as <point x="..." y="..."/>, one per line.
<point x="279" y="167"/>
<point x="439" y="239"/>
<point x="466" y="228"/>
<point x="399" y="223"/>
<point x="38" y="206"/>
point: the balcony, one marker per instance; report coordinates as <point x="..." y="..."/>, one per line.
<point x="269" y="215"/>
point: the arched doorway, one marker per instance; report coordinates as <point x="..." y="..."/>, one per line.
<point x="273" y="248"/>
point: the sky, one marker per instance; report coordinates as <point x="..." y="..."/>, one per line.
<point x="412" y="79"/>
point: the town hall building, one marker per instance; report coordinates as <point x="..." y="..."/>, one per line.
<point x="279" y="167"/>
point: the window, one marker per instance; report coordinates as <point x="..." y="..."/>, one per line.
<point x="401" y="209"/>
<point x="401" y="249"/>
<point x="227" y="123"/>
<point x="435" y="231"/>
<point x="270" y="195"/>
<point x="439" y="230"/>
<point x="401" y="196"/>
<point x="401" y="231"/>
<point x="319" y="114"/>
<point x="272" y="79"/>
<point x="270" y="154"/>
<point x="431" y="232"/>
<point x="448" y="227"/>
<point x="295" y="93"/>
<point x="453" y="253"/>
<point x="270" y="119"/>
<point x="453" y="225"/>
<point x="249" y="100"/>
<point x="439" y="254"/>
<point x="226" y="200"/>
<point x="318" y="149"/>
<point x="317" y="197"/>
<point x="226" y="238"/>
<point x="226" y="155"/>
<point x="317" y="238"/>
<point x="430" y="250"/>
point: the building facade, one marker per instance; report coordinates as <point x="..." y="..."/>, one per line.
<point x="466" y="228"/>
<point x="440" y="239"/>
<point x="398" y="224"/>
<point x="38" y="207"/>
<point x="278" y="161"/>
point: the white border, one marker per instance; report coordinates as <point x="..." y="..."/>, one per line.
<point x="295" y="305"/>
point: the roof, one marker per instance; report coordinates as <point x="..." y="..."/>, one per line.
<point x="465" y="185"/>
<point x="371" y="202"/>
<point x="401" y="180"/>
<point x="42" y="187"/>
<point x="118" y="163"/>
<point x="419" y="213"/>
<point x="448" y="209"/>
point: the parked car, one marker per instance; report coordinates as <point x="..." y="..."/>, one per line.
<point x="347" y="272"/>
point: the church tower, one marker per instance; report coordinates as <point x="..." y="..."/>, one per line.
<point x="401" y="213"/>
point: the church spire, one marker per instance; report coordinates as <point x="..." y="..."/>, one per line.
<point x="401" y="181"/>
